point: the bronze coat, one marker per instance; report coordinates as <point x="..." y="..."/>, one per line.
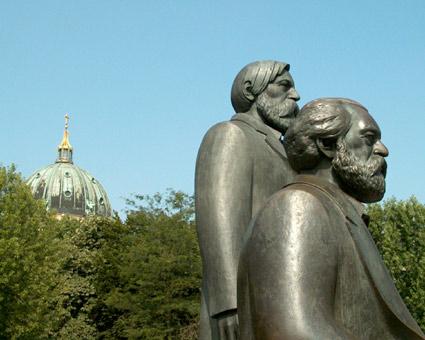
<point x="310" y="270"/>
<point x="240" y="164"/>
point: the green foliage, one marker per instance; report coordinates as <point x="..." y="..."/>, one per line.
<point x="50" y="270"/>
<point x="138" y="279"/>
<point x="27" y="265"/>
<point x="398" y="228"/>
<point x="159" y="276"/>
<point x="77" y="308"/>
<point x="101" y="278"/>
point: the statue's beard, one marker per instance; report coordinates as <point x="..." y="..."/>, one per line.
<point x="365" y="181"/>
<point x="278" y="116"/>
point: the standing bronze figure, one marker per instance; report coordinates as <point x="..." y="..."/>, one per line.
<point x="309" y="268"/>
<point x="240" y="163"/>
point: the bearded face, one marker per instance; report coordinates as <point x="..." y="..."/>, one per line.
<point x="276" y="112"/>
<point x="365" y="181"/>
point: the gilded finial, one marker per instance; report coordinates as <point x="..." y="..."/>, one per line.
<point x="65" y="140"/>
<point x="65" y="148"/>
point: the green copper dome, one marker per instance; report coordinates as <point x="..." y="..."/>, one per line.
<point x="67" y="188"/>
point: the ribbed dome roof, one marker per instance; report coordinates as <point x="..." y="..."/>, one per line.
<point x="67" y="188"/>
<point x="70" y="190"/>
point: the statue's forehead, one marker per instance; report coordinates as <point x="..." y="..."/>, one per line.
<point x="284" y="76"/>
<point x="362" y="120"/>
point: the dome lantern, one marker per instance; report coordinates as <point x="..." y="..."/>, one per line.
<point x="65" y="148"/>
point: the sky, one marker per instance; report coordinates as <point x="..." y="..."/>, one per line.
<point x="144" y="80"/>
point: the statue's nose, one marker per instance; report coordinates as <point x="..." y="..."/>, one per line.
<point x="380" y="149"/>
<point x="294" y="95"/>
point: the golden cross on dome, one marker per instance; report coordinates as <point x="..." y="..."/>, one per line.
<point x="65" y="145"/>
<point x="66" y="121"/>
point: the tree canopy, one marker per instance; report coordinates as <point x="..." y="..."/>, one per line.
<point x="27" y="265"/>
<point x="398" y="228"/>
<point x="103" y="278"/>
<point x="160" y="271"/>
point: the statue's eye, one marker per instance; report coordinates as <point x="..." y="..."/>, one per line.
<point x="370" y="138"/>
<point x="285" y="83"/>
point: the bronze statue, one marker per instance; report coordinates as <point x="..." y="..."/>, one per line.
<point x="309" y="268"/>
<point x="240" y="163"/>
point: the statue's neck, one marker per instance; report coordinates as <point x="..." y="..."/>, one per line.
<point x="253" y="112"/>
<point x="324" y="171"/>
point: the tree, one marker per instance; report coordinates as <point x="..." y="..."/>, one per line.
<point x="28" y="261"/>
<point x="78" y="310"/>
<point x="49" y="269"/>
<point x="101" y="278"/>
<point x="398" y="228"/>
<point x="159" y="273"/>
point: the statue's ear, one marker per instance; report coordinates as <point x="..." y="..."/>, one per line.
<point x="247" y="91"/>
<point x="327" y="146"/>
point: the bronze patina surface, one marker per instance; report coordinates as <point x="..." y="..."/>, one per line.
<point x="309" y="268"/>
<point x="240" y="163"/>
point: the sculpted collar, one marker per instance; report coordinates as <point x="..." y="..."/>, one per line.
<point x="253" y="122"/>
<point x="270" y="135"/>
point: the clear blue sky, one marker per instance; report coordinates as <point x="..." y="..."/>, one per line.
<point x="144" y="80"/>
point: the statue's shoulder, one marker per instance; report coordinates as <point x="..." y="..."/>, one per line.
<point x="227" y="132"/>
<point x="294" y="209"/>
<point x="296" y="194"/>
<point x="295" y="201"/>
<point x="287" y="212"/>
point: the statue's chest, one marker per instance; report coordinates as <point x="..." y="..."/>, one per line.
<point x="271" y="172"/>
<point x="357" y="303"/>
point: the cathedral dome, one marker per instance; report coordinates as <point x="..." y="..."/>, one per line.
<point x="67" y="188"/>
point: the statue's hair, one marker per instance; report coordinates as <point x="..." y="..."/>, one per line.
<point x="255" y="76"/>
<point x="324" y="118"/>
